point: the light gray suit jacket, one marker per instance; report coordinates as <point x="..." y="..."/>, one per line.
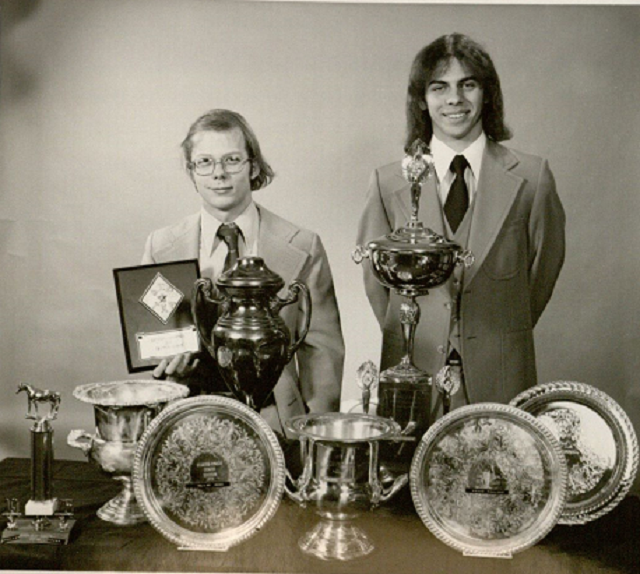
<point x="517" y="237"/>
<point x="314" y="377"/>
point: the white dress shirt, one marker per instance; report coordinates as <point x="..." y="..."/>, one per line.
<point x="443" y="156"/>
<point x="213" y="250"/>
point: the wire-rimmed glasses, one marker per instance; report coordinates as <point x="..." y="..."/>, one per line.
<point x="205" y="164"/>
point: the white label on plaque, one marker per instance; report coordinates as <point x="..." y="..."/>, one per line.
<point x="161" y="298"/>
<point x="167" y="343"/>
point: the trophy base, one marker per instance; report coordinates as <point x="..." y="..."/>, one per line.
<point x="404" y="396"/>
<point x="405" y="373"/>
<point x="336" y="540"/>
<point x="26" y="531"/>
<point x="41" y="507"/>
<point x="123" y="509"/>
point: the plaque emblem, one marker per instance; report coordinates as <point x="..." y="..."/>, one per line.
<point x="162" y="298"/>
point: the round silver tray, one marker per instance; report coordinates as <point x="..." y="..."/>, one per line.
<point x="208" y="473"/>
<point x="488" y="480"/>
<point x="598" y="440"/>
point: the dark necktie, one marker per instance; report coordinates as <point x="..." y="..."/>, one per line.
<point x="458" y="199"/>
<point x="229" y="233"/>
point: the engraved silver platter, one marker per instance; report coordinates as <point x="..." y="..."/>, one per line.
<point x="598" y="440"/>
<point x="209" y="473"/>
<point x="489" y="480"/>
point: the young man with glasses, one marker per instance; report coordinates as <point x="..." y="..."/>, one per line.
<point x="225" y="164"/>
<point x="499" y="203"/>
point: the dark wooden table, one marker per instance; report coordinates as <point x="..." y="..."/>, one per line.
<point x="403" y="543"/>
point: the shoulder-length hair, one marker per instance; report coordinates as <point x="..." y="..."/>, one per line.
<point x="429" y="61"/>
<point x="221" y="120"/>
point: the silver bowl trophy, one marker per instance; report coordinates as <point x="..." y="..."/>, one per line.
<point x="34" y="525"/>
<point x="123" y="410"/>
<point x="341" y="478"/>
<point x="412" y="260"/>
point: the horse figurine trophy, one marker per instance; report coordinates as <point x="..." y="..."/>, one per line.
<point x="35" y="526"/>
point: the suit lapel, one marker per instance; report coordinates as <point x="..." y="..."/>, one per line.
<point x="185" y="243"/>
<point x="497" y="190"/>
<point x="274" y="246"/>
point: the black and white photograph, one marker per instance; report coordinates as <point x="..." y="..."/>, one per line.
<point x="285" y="285"/>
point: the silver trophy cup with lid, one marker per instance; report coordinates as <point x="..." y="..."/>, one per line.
<point x="411" y="260"/>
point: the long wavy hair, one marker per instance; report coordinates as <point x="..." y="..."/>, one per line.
<point x="429" y="61"/>
<point x="221" y="120"/>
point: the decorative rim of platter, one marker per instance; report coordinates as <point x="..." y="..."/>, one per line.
<point x="195" y="447"/>
<point x="610" y="491"/>
<point x="492" y="482"/>
<point x="130" y="392"/>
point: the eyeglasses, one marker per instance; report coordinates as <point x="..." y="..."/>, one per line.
<point x="206" y="165"/>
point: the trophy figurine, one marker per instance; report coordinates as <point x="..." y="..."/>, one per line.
<point x="411" y="260"/>
<point x="367" y="377"/>
<point x="35" y="526"/>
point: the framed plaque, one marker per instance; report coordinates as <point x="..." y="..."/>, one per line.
<point x="154" y="302"/>
<point x="489" y="480"/>
<point x="208" y="473"/>
<point x="598" y="440"/>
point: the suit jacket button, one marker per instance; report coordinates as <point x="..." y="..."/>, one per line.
<point x="441" y="349"/>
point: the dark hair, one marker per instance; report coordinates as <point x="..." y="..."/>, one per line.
<point x="220" y="120"/>
<point x="429" y="61"/>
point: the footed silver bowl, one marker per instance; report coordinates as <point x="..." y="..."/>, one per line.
<point x="341" y="478"/>
<point x="123" y="410"/>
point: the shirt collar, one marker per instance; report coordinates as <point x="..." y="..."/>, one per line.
<point x="248" y="222"/>
<point x="443" y="155"/>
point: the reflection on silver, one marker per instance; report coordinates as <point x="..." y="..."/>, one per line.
<point x="598" y="440"/>
<point x="123" y="410"/>
<point x="341" y="478"/>
<point x="489" y="480"/>
<point x="209" y="473"/>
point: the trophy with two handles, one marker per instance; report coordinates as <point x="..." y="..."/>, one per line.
<point x="411" y="260"/>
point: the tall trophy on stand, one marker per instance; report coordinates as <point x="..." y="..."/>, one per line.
<point x="46" y="519"/>
<point x="411" y="260"/>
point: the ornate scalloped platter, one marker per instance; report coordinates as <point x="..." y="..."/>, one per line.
<point x="208" y="473"/>
<point x="489" y="480"/>
<point x="598" y="440"/>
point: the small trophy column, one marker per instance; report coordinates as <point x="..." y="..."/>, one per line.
<point x="35" y="525"/>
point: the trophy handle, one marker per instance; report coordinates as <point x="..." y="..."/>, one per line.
<point x="295" y="289"/>
<point x="398" y="483"/>
<point x="465" y="258"/>
<point x="202" y="291"/>
<point x="291" y="493"/>
<point x="80" y="439"/>
<point x="359" y="254"/>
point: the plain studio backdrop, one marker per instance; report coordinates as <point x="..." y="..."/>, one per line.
<point x="95" y="98"/>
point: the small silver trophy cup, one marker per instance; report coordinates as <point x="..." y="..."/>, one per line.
<point x="411" y="260"/>
<point x="341" y="479"/>
<point x="35" y="525"/>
